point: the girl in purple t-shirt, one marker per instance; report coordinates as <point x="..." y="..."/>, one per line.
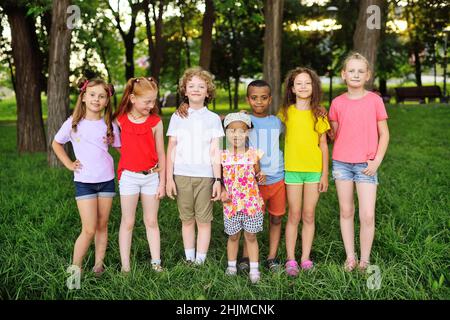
<point x="90" y="130"/>
<point x="358" y="118"/>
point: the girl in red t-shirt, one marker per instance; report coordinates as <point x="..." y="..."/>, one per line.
<point x="141" y="166"/>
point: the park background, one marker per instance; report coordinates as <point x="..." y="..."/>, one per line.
<point x="45" y="46"/>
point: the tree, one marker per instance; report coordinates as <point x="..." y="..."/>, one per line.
<point x="206" y="42"/>
<point x="156" y="46"/>
<point x="367" y="33"/>
<point x="27" y="62"/>
<point x="273" y="17"/>
<point x="128" y="37"/>
<point x="58" y="75"/>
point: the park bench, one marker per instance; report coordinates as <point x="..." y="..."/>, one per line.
<point x="419" y="94"/>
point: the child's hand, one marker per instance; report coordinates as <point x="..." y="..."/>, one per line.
<point x="108" y="140"/>
<point x="182" y="110"/>
<point x="372" y="167"/>
<point x="161" y="192"/>
<point x="171" y="189"/>
<point x="224" y="196"/>
<point x="323" y="184"/>
<point x="217" y="189"/>
<point x="321" y="112"/>
<point x="75" y="166"/>
<point x="261" y="177"/>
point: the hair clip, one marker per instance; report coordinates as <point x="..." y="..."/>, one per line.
<point x="85" y="84"/>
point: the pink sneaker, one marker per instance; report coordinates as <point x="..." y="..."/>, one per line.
<point x="292" y="268"/>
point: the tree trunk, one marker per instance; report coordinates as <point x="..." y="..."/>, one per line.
<point x="236" y="92"/>
<point x="273" y="17"/>
<point x="129" y="56"/>
<point x="230" y="97"/>
<point x="383" y="87"/>
<point x="25" y="52"/>
<point x="367" y="33"/>
<point x="58" y="76"/>
<point x="206" y="46"/>
<point x="417" y="65"/>
<point x="155" y="47"/>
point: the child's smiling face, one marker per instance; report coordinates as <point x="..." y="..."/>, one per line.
<point x="196" y="90"/>
<point x="259" y="99"/>
<point x="302" y="87"/>
<point x="237" y="133"/>
<point x="356" y="73"/>
<point x="95" y="98"/>
<point x="143" y="104"/>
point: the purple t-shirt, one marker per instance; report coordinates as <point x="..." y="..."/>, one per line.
<point x="90" y="148"/>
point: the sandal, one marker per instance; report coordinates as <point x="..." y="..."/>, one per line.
<point x="306" y="265"/>
<point x="157" y="267"/>
<point x="273" y="264"/>
<point x="350" y="264"/>
<point x="98" y="271"/>
<point x="292" y="268"/>
<point x="363" y="265"/>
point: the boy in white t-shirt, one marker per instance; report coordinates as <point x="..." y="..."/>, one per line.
<point x="193" y="162"/>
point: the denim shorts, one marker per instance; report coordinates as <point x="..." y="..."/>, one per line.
<point x="93" y="190"/>
<point x="353" y="172"/>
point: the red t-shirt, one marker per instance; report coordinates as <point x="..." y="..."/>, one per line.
<point x="138" y="151"/>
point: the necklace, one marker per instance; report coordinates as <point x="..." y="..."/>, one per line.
<point x="134" y="117"/>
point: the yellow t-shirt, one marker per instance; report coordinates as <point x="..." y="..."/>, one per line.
<point x="301" y="147"/>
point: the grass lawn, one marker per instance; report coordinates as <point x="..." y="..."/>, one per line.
<point x="39" y="223"/>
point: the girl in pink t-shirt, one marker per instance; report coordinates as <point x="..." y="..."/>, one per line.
<point x="90" y="130"/>
<point x="358" y="118"/>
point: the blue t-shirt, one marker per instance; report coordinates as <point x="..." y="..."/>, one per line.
<point x="266" y="137"/>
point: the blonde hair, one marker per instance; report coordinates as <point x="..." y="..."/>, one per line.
<point x="202" y="74"/>
<point x="79" y="112"/>
<point x="355" y="56"/>
<point x="138" y="87"/>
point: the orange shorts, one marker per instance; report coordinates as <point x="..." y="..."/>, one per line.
<point x="274" y="196"/>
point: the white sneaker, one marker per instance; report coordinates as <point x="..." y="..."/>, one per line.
<point x="231" y="271"/>
<point x="255" y="276"/>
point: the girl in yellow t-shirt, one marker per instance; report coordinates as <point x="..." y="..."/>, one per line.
<point x="306" y="160"/>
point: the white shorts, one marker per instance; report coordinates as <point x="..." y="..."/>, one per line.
<point x="131" y="183"/>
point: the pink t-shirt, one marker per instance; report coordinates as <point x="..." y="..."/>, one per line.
<point x="357" y="134"/>
<point x="90" y="148"/>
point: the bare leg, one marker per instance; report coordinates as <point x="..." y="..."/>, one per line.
<point x="310" y="198"/>
<point x="294" y="196"/>
<point x="367" y="196"/>
<point x="128" y="204"/>
<point x="150" y="206"/>
<point x="88" y="214"/>
<point x="101" y="235"/>
<point x="347" y="213"/>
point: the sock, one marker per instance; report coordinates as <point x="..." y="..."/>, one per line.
<point x="232" y="264"/>
<point x="201" y="257"/>
<point x="254" y="266"/>
<point x="190" y="254"/>
<point x="156" y="261"/>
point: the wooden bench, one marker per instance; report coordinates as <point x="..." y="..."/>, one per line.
<point x="419" y="94"/>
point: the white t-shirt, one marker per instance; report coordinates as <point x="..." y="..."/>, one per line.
<point x="194" y="135"/>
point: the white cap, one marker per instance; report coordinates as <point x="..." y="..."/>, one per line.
<point x="237" y="116"/>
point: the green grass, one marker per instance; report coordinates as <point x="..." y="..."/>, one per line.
<point x="39" y="223"/>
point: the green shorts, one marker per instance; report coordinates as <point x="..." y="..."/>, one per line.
<point x="295" y="177"/>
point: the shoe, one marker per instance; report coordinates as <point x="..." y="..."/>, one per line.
<point x="254" y="276"/>
<point x="273" y="265"/>
<point x="292" y="268"/>
<point x="231" y="271"/>
<point x="350" y="264"/>
<point x="307" y="265"/>
<point x="98" y="271"/>
<point x="363" y="265"/>
<point x="244" y="265"/>
<point x="157" y="267"/>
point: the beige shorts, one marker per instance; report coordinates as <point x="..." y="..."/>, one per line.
<point x="194" y="198"/>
